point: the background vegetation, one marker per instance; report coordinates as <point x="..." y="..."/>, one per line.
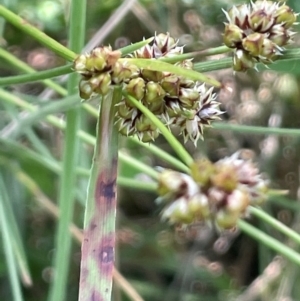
<point x="160" y="262"/>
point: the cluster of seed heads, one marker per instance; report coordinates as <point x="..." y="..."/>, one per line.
<point x="175" y="100"/>
<point x="258" y="32"/>
<point x="217" y="193"/>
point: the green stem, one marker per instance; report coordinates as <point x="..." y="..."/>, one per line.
<point x="158" y="65"/>
<point x="20" y="65"/>
<point x="275" y="223"/>
<point x="174" y="143"/>
<point x="8" y="248"/>
<point x="269" y="241"/>
<point x="133" y="47"/>
<point x="258" y="130"/>
<point x="37" y="76"/>
<point x="196" y="54"/>
<point x="98" y="247"/>
<point x="137" y="184"/>
<point x="29" y="29"/>
<point x="67" y="189"/>
<point x="162" y="155"/>
<point x="139" y="165"/>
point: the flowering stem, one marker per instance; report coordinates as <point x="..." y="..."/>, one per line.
<point x="174" y="143"/>
<point x="275" y="223"/>
<point x="269" y="241"/>
<point x="97" y="258"/>
<point x="258" y="130"/>
<point x="36" y="76"/>
<point x="8" y="247"/>
<point x="29" y="29"/>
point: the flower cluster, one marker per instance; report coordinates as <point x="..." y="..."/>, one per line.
<point x="175" y="100"/>
<point x="258" y="31"/>
<point x="214" y="192"/>
<point x="97" y="69"/>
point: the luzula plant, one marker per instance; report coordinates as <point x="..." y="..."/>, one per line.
<point x="144" y="101"/>
<point x="175" y="100"/>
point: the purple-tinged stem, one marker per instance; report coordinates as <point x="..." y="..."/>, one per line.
<point x="98" y="247"/>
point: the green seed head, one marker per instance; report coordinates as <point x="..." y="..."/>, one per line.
<point x="171" y="85"/>
<point x="85" y="89"/>
<point x="280" y="35"/>
<point x="225" y="177"/>
<point x="242" y="60"/>
<point x="123" y="72"/>
<point x="269" y="51"/>
<point x="233" y="35"/>
<point x="125" y="112"/>
<point x="226" y="220"/>
<point x="101" y="83"/>
<point x="285" y="16"/>
<point x="143" y="124"/>
<point x="154" y="93"/>
<point x="136" y="88"/>
<point x="253" y="43"/>
<point x="202" y="170"/>
<point x="151" y="75"/>
<point x="261" y="20"/>
<point x="148" y="136"/>
<point x="80" y="64"/>
<point x="188" y="97"/>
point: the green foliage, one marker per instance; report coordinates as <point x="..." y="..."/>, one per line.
<point x="47" y="138"/>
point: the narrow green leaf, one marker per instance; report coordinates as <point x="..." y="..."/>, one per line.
<point x="22" y="66"/>
<point x="267" y="218"/>
<point x="133" y="47"/>
<point x="8" y="245"/>
<point x="67" y="190"/>
<point x="37" y="76"/>
<point x="32" y="31"/>
<point x="159" y="65"/>
<point x="269" y="241"/>
<point x="174" y="143"/>
<point x="39" y="114"/>
<point x="258" y="130"/>
<point x="162" y="155"/>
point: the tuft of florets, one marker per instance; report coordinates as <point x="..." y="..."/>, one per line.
<point x="217" y="193"/>
<point x="175" y="100"/>
<point x="258" y="31"/>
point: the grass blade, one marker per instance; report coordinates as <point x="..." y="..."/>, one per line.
<point x="8" y="246"/>
<point x="37" y="34"/>
<point x="70" y="157"/>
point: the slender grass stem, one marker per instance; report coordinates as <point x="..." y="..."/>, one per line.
<point x="36" y="76"/>
<point x="158" y="65"/>
<point x="38" y="35"/>
<point x="269" y="241"/>
<point x="174" y="143"/>
<point x="267" y="218"/>
<point x="257" y="130"/>
<point x="163" y="155"/>
<point x="58" y="290"/>
<point x="8" y="248"/>
<point x="138" y="165"/>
